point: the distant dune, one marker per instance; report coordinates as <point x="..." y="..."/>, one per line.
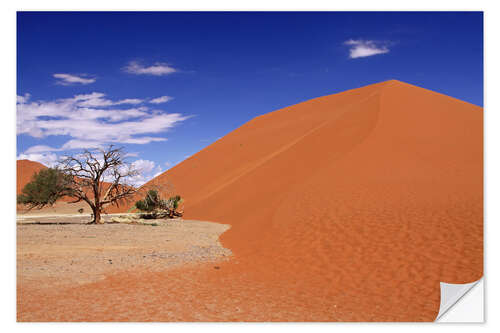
<point x="348" y="207"/>
<point x="25" y="171"/>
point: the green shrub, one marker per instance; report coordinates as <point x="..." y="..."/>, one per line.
<point x="151" y="202"/>
<point x="45" y="188"/>
<point x="174" y="202"/>
<point x="154" y="207"/>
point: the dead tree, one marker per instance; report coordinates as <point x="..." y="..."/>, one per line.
<point x="99" y="178"/>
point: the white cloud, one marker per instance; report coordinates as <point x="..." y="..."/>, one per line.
<point x="81" y="144"/>
<point x="144" y="166"/>
<point x="162" y="99"/>
<point x="97" y="99"/>
<point x="365" y="48"/>
<point x="143" y="140"/>
<point x="90" y="123"/>
<point x="47" y="159"/>
<point x="68" y="79"/>
<point x="92" y="100"/>
<point x="147" y="171"/>
<point x="23" y="99"/>
<point x="40" y="149"/>
<point x="158" y="69"/>
<point x="129" y="101"/>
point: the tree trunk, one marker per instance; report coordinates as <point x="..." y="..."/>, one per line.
<point x="97" y="216"/>
<point x="97" y="204"/>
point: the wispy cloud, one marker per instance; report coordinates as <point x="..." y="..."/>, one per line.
<point x="80" y="144"/>
<point x="162" y="99"/>
<point x="69" y="79"/>
<point x="129" y="101"/>
<point x="91" y="122"/>
<point x="40" y="149"/>
<point x="144" y="166"/>
<point x="157" y="69"/>
<point x="365" y="48"/>
<point x="47" y="159"/>
<point x="147" y="170"/>
<point x="97" y="99"/>
<point x="23" y="99"/>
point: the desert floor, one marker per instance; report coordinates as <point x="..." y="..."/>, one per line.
<point x="58" y="253"/>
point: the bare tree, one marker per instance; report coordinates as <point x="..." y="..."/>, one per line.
<point x="90" y="171"/>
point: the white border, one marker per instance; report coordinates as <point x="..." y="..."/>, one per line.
<point x="492" y="160"/>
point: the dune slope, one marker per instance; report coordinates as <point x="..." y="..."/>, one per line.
<point x="374" y="192"/>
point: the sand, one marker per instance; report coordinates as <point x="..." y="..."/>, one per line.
<point x="57" y="257"/>
<point x="348" y="207"/>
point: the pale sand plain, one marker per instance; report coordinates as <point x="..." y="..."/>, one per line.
<point x="57" y="253"/>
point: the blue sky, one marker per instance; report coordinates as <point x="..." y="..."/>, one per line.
<point x="166" y="85"/>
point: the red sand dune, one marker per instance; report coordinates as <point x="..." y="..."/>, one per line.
<point x="348" y="207"/>
<point x="25" y="170"/>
